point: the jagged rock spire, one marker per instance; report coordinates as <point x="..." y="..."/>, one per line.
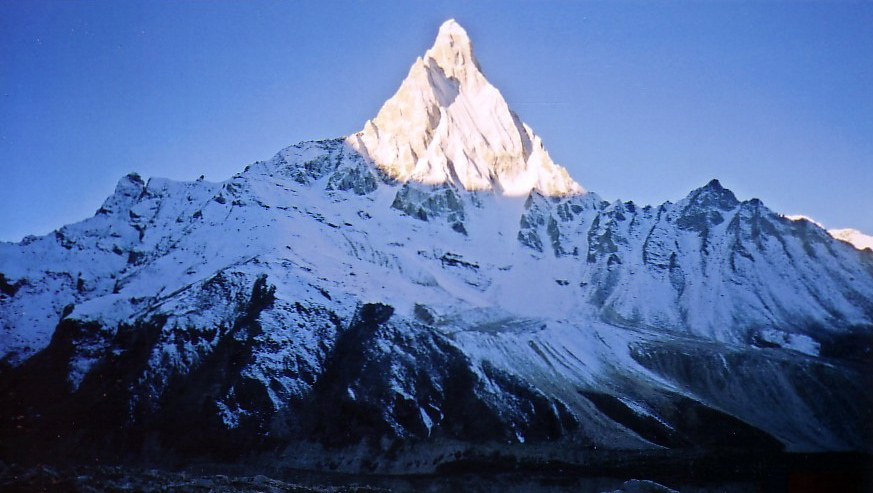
<point x="448" y="124"/>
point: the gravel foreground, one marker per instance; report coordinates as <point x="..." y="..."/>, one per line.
<point x="117" y="479"/>
<point x="111" y="479"/>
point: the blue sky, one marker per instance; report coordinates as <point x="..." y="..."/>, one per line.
<point x="641" y="101"/>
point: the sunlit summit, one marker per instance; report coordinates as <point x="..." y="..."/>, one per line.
<point x="448" y="124"/>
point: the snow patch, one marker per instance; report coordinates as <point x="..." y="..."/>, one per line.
<point x="798" y="342"/>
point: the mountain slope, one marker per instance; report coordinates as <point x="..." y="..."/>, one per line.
<point x="361" y="307"/>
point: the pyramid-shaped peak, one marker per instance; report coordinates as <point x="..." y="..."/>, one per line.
<point x="448" y="124"/>
<point x="452" y="48"/>
<point x="713" y="194"/>
<point x="452" y="34"/>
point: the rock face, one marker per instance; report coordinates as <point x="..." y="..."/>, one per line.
<point x="346" y="308"/>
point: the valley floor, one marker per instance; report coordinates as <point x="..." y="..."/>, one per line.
<point x="784" y="473"/>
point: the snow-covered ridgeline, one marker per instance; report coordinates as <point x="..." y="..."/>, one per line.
<point x="708" y="265"/>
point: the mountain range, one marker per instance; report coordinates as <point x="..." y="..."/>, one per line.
<point x="431" y="289"/>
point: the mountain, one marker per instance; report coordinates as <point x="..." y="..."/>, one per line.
<point x="429" y="291"/>
<point x="854" y="237"/>
<point x="448" y="124"/>
<point x="851" y="236"/>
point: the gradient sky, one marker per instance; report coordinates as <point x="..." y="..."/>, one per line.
<point x="641" y="101"/>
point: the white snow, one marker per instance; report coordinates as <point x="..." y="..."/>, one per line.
<point x="428" y="423"/>
<point x="448" y="124"/>
<point x="854" y="237"/>
<point x="801" y="217"/>
<point x="798" y="342"/>
<point x="357" y="247"/>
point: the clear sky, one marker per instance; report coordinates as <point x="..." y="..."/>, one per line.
<point x="641" y="101"/>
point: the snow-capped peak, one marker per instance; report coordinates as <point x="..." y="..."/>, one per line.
<point x="854" y="237"/>
<point x="851" y="236"/>
<point x="453" y="51"/>
<point x="448" y="124"/>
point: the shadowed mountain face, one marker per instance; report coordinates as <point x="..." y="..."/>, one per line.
<point x="431" y="286"/>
